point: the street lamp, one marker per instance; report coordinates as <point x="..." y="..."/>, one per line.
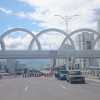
<point x="66" y="19"/>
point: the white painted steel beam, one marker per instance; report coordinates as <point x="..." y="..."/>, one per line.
<point x="49" y="54"/>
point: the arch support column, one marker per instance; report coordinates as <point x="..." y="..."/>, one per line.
<point x="53" y="63"/>
<point x="11" y="65"/>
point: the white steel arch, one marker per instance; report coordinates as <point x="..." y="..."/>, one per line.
<point x="35" y="37"/>
<point x="14" y="30"/>
<point x="55" y="30"/>
<point x="82" y="30"/>
<point x="2" y="45"/>
<point x="96" y="40"/>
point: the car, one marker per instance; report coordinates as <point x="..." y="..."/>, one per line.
<point x="62" y="74"/>
<point x="20" y="72"/>
<point x="75" y="76"/>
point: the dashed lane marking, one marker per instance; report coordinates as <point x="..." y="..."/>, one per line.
<point x="62" y="86"/>
<point x="26" y="88"/>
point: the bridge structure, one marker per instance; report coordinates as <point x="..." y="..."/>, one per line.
<point x="49" y="54"/>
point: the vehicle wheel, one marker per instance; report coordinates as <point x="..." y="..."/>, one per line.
<point x="0" y="76"/>
<point x="67" y="80"/>
<point x="70" y="81"/>
<point x="83" y="82"/>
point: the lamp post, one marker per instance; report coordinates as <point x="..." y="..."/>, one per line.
<point x="66" y="19"/>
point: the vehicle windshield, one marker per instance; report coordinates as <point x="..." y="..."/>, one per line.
<point x="75" y="73"/>
<point x="63" y="72"/>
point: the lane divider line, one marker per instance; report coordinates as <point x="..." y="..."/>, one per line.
<point x="62" y="86"/>
<point x="26" y="88"/>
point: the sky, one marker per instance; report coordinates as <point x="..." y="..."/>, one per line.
<point x="37" y="15"/>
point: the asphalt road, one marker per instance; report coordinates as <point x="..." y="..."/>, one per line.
<point x="47" y="89"/>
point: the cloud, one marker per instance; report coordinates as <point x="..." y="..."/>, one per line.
<point x="5" y="10"/>
<point x="52" y="40"/>
<point x="46" y="9"/>
<point x="20" y="42"/>
<point x="19" y="14"/>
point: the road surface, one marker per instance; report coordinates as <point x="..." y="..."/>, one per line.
<point x="47" y="89"/>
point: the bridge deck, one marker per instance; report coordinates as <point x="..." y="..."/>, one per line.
<point x="22" y="54"/>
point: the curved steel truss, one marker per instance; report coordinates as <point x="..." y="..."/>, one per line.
<point x="35" y="37"/>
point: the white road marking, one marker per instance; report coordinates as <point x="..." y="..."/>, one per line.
<point x="26" y="88"/>
<point x="62" y="86"/>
